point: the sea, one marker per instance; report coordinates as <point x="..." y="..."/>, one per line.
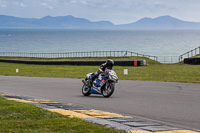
<point x="149" y="42"/>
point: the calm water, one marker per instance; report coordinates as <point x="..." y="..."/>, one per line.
<point x="152" y="42"/>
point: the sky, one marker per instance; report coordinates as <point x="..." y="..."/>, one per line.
<point x="115" y="11"/>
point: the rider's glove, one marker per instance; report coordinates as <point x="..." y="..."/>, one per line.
<point x="100" y="70"/>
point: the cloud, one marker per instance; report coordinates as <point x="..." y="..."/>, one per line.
<point x="22" y="5"/>
<point x="84" y="2"/>
<point x="73" y="1"/>
<point x="43" y="4"/>
<point x="50" y="7"/>
<point x="47" y="6"/>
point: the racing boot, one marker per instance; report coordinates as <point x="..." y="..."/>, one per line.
<point x="92" y="78"/>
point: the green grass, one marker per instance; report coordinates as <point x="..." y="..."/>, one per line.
<point x="154" y="71"/>
<point x="16" y="117"/>
<point x="197" y="56"/>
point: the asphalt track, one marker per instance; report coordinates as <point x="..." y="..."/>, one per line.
<point x="168" y="102"/>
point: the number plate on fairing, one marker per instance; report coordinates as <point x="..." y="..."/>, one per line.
<point x="102" y="82"/>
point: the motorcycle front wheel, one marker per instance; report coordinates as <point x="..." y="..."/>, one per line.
<point x="86" y="90"/>
<point x="108" y="90"/>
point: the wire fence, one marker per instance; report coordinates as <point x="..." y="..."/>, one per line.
<point x="168" y="59"/>
<point x="77" y="54"/>
<point x="162" y="59"/>
<point x="190" y="53"/>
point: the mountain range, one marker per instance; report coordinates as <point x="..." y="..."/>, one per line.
<point x="162" y="22"/>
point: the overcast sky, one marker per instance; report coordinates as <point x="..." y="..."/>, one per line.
<point x="116" y="11"/>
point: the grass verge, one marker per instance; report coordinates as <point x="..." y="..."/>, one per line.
<point x="154" y="71"/>
<point x="19" y="117"/>
<point x="197" y="56"/>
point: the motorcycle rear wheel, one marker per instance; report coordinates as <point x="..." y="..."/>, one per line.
<point x="108" y="90"/>
<point x="85" y="90"/>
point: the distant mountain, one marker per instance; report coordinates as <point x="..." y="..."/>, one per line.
<point x="53" y="22"/>
<point x="163" y="22"/>
<point x="9" y="21"/>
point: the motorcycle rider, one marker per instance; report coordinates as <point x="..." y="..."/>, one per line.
<point x="107" y="65"/>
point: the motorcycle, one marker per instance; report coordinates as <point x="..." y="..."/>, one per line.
<point x="103" y="85"/>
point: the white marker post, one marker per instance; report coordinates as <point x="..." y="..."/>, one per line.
<point x="125" y="71"/>
<point x="17" y="70"/>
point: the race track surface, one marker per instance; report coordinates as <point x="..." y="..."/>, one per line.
<point x="168" y="102"/>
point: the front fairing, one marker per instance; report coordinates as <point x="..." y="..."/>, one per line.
<point x="89" y="75"/>
<point x="112" y="76"/>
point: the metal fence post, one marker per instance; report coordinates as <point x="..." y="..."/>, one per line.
<point x="199" y="50"/>
<point x="195" y="51"/>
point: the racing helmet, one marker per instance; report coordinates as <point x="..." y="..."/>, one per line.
<point x="109" y="63"/>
